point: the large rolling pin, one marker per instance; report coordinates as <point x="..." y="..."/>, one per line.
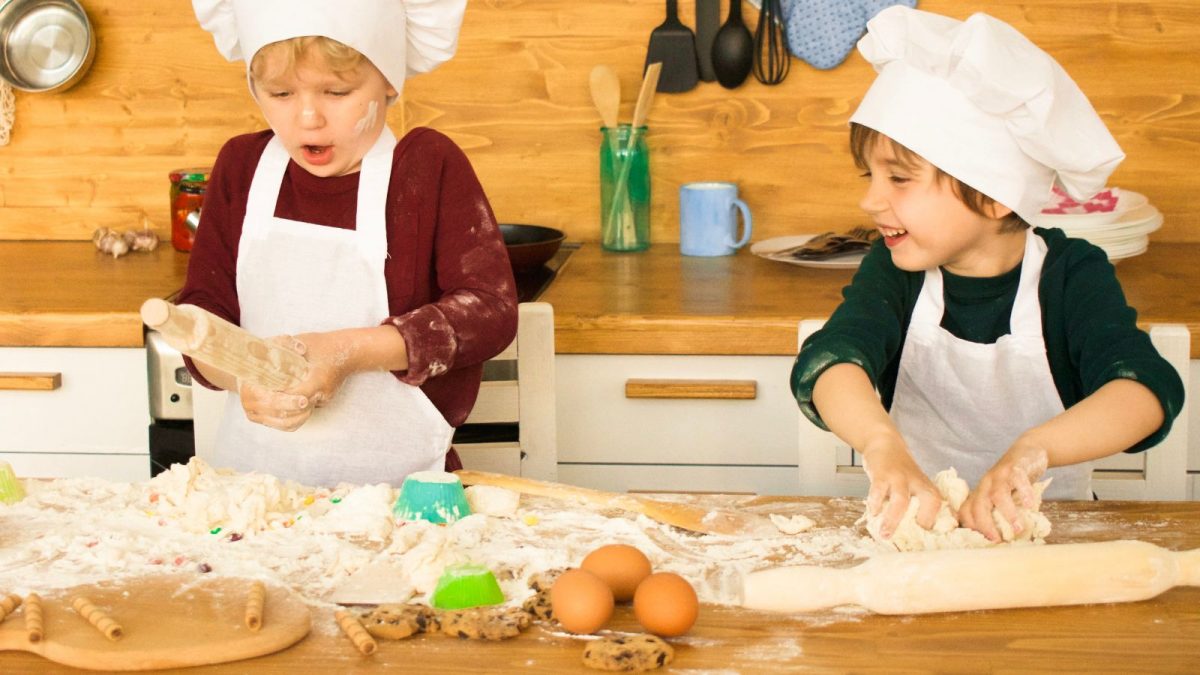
<point x="991" y="578"/>
<point x="213" y="340"/>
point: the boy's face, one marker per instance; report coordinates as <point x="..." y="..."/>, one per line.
<point x="925" y="224"/>
<point x="326" y="120"/>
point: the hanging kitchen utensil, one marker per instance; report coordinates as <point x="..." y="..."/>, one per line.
<point x="674" y="46"/>
<point x="708" y="20"/>
<point x="771" y="58"/>
<point x="733" y="49"/>
<point x="45" y="45"/>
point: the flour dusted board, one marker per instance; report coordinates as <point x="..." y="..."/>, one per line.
<point x="167" y="621"/>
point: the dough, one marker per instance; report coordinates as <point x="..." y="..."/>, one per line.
<point x="628" y="653"/>
<point x="484" y="623"/>
<point x="945" y="533"/>
<point x="396" y="622"/>
<point x="493" y="501"/>
<point x="792" y="524"/>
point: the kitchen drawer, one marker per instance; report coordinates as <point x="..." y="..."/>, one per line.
<point x="599" y="423"/>
<point x="761" y="480"/>
<point x="99" y="406"/>
<point x="118" y="468"/>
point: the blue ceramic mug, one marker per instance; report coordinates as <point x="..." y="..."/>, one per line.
<point x="708" y="219"/>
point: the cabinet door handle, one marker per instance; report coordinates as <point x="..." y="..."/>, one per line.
<point x="30" y="381"/>
<point x="723" y="389"/>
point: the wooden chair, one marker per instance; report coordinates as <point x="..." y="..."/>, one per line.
<point x="523" y="395"/>
<point x="829" y="467"/>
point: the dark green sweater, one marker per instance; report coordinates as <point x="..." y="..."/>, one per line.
<point x="1091" y="333"/>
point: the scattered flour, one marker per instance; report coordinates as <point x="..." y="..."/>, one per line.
<point x="198" y="519"/>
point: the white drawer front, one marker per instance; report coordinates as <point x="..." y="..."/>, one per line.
<point x="118" y="468"/>
<point x="598" y="424"/>
<point x="102" y="405"/>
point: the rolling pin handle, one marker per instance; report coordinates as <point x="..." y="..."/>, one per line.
<point x="1189" y="567"/>
<point x="155" y="312"/>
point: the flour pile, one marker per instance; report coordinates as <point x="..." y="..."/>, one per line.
<point x="194" y="518"/>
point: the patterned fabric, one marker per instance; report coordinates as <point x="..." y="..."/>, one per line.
<point x="823" y="32"/>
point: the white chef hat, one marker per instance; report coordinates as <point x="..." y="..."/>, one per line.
<point x="982" y="103"/>
<point x="400" y="37"/>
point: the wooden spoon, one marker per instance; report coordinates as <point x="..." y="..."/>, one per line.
<point x="685" y="516"/>
<point x="606" y="94"/>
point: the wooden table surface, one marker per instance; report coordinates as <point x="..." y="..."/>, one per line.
<point x="655" y="302"/>
<point x="661" y="302"/>
<point x="1158" y="635"/>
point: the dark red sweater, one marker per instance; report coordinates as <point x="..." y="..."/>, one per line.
<point x="450" y="287"/>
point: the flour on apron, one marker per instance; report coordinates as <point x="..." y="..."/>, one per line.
<point x="962" y="404"/>
<point x="295" y="277"/>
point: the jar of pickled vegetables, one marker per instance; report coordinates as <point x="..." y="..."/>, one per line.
<point x="187" y="196"/>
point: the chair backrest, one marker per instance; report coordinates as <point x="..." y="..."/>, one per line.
<point x="829" y="467"/>
<point x="523" y="395"/>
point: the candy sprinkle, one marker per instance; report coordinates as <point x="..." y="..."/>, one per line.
<point x="336" y="500"/>
<point x="215" y="530"/>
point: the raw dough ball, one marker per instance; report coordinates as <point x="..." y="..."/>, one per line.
<point x="493" y="501"/>
<point x="945" y="533"/>
<point x="792" y="524"/>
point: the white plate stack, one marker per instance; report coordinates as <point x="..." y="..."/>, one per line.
<point x="1118" y="221"/>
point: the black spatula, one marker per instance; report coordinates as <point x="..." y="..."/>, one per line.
<point x="673" y="45"/>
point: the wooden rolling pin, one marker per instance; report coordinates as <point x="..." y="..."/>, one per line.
<point x="686" y="516"/>
<point x="990" y="578"/>
<point x="213" y="340"/>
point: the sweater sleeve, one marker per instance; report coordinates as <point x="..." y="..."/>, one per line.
<point x="475" y="316"/>
<point x="1104" y="342"/>
<point x="866" y="329"/>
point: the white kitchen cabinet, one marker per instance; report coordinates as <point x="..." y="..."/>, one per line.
<point x="633" y="422"/>
<point x="93" y="422"/>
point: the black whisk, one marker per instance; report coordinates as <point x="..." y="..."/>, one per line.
<point x="771" y="58"/>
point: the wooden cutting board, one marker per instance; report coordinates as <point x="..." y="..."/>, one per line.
<point x="168" y="622"/>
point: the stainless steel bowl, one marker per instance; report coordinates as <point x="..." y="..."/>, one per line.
<point x="45" y="45"/>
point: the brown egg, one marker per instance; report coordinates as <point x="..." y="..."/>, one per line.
<point x="621" y="567"/>
<point x="581" y="601"/>
<point x="665" y="604"/>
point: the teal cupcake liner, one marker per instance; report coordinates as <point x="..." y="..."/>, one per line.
<point x="435" y="496"/>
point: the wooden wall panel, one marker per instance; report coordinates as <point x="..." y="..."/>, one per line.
<point x="515" y="98"/>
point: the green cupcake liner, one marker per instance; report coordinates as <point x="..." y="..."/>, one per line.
<point x="467" y="585"/>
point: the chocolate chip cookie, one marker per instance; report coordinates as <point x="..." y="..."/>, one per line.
<point x="628" y="653"/>
<point x="396" y="622"/>
<point x="484" y="623"/>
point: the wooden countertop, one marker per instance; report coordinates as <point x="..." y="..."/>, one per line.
<point x="656" y="302"/>
<point x="1157" y="635"/>
<point x="68" y="294"/>
<point x="661" y="302"/>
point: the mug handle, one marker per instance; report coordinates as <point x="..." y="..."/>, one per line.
<point x="749" y="223"/>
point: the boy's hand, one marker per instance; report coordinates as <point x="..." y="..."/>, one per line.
<point x="895" y="479"/>
<point x="328" y="356"/>
<point x="1013" y="474"/>
<point x="275" y="409"/>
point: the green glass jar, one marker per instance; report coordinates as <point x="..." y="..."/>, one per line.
<point x="624" y="189"/>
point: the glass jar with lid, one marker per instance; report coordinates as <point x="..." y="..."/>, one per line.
<point x="187" y="196"/>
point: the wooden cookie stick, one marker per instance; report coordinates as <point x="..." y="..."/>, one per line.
<point x="33" y="617"/>
<point x="355" y="631"/>
<point x="95" y="616"/>
<point x="8" y="603"/>
<point x="254" y="606"/>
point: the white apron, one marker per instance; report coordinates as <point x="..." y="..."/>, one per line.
<point x="962" y="404"/>
<point x="295" y="277"/>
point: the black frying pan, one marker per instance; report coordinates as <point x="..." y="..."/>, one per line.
<point x="530" y="246"/>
